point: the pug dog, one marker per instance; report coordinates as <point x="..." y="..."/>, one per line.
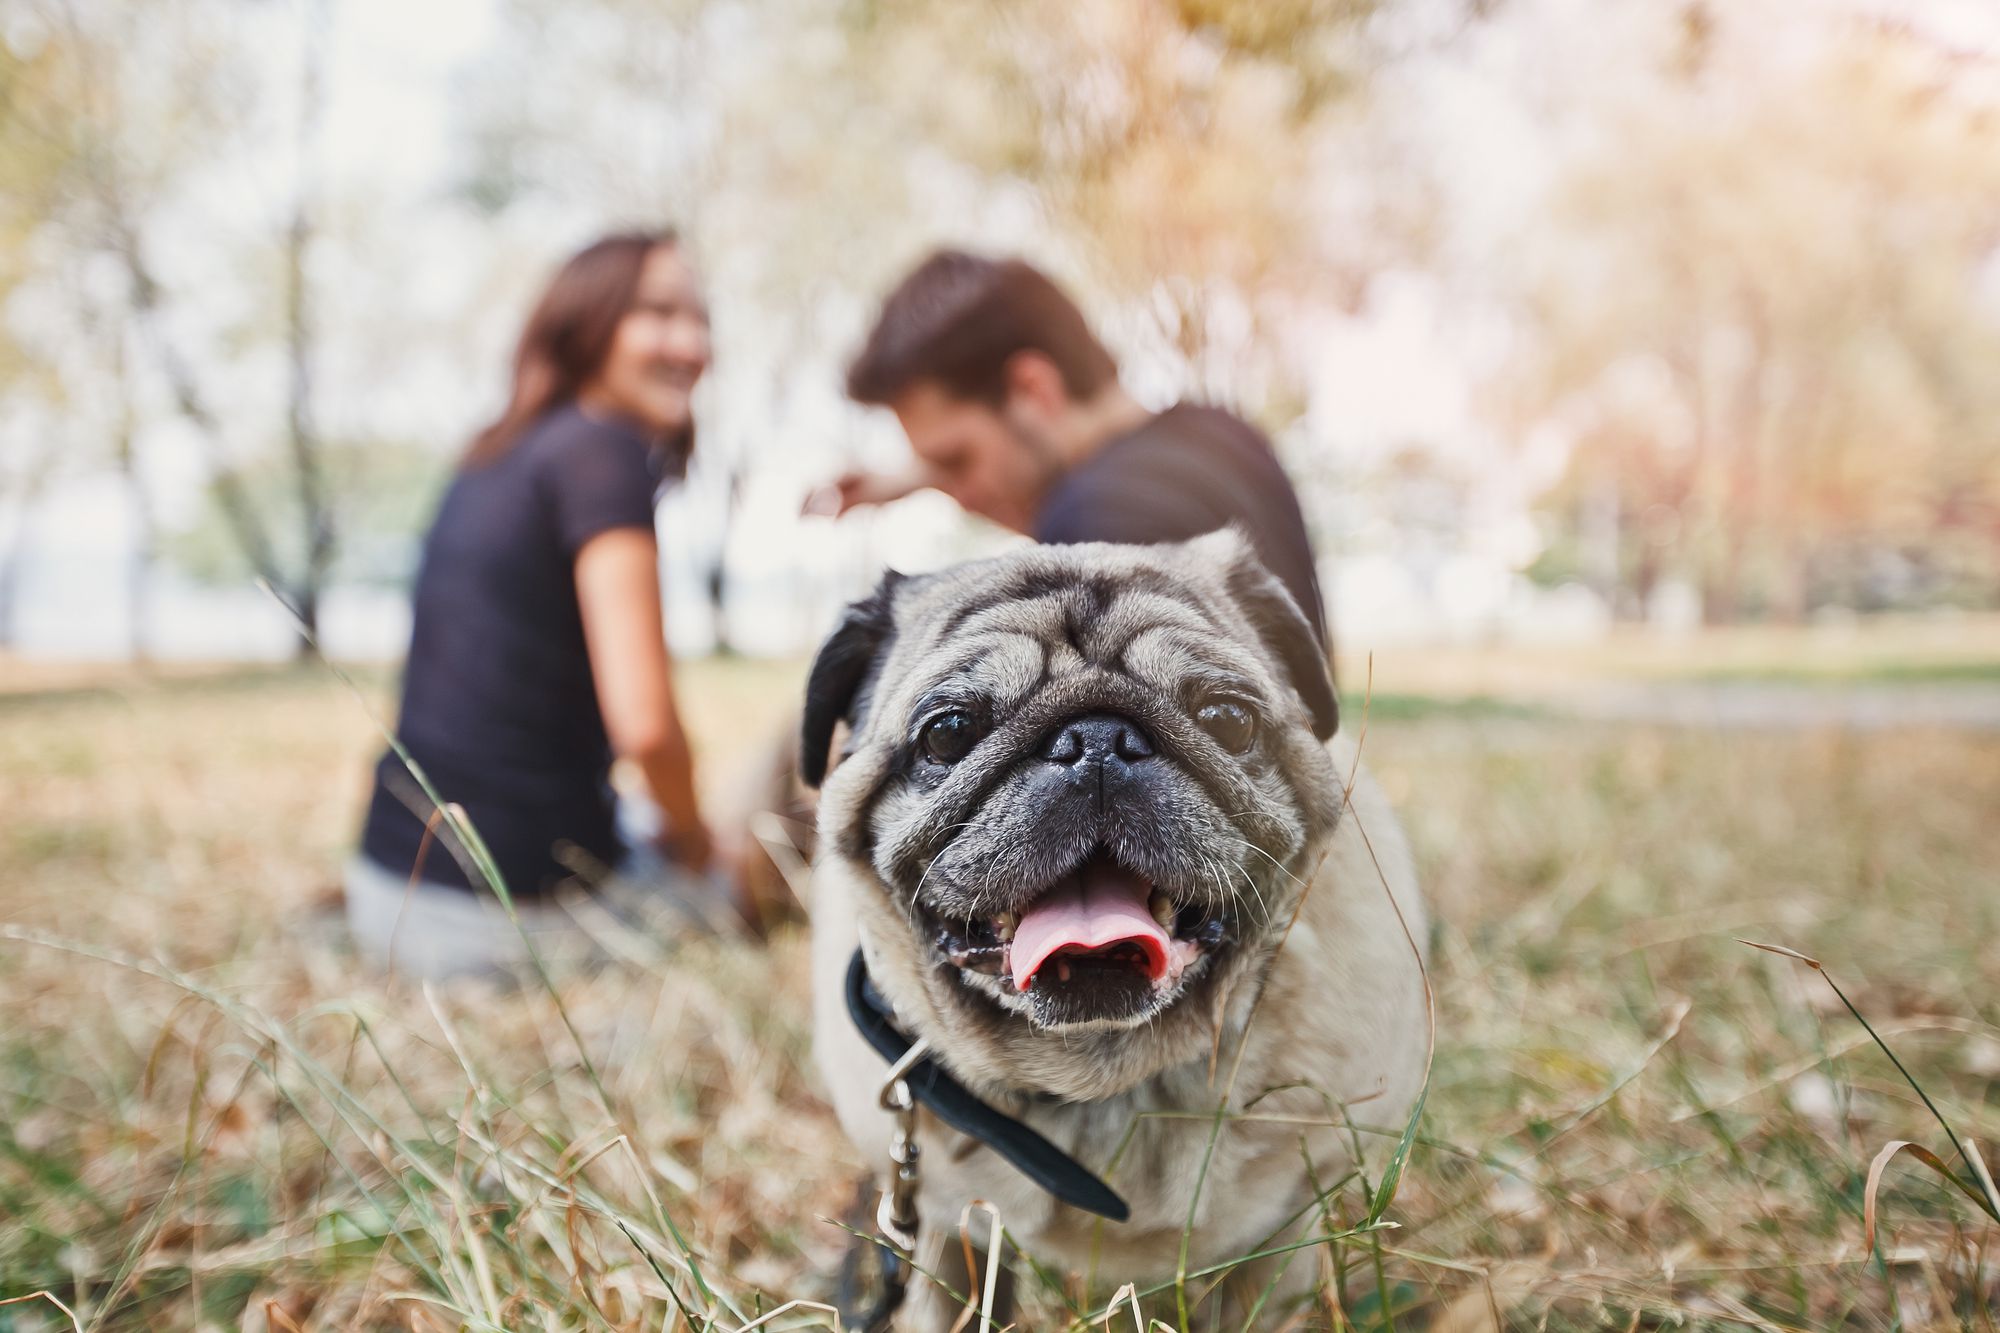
<point x="1098" y="844"/>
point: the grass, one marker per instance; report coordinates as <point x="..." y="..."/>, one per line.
<point x="210" y="1119"/>
<point x="1869" y="673"/>
<point x="1941" y="649"/>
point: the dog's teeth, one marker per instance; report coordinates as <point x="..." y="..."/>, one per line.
<point x="1163" y="909"/>
<point x="1003" y="926"/>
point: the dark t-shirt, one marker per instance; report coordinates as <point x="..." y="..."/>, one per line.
<point x="1188" y="471"/>
<point x="499" y="708"/>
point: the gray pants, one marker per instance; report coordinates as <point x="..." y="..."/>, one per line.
<point x="433" y="931"/>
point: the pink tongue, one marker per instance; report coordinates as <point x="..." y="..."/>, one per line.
<point x="1097" y="907"/>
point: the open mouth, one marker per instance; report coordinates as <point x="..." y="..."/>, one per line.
<point x="670" y="376"/>
<point x="1102" y="941"/>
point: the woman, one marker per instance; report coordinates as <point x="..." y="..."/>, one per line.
<point x="537" y="652"/>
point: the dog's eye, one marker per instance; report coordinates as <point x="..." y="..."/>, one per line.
<point x="1229" y="723"/>
<point x="950" y="737"/>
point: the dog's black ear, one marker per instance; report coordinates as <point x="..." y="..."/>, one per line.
<point x="842" y="667"/>
<point x="1289" y="635"/>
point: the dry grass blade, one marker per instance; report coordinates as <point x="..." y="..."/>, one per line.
<point x="51" y="1298"/>
<point x="986" y="1296"/>
<point x="789" y="1306"/>
<point x="1484" y="1309"/>
<point x="1890" y="1151"/>
<point x="275" y="1317"/>
<point x="1128" y="1293"/>
<point x="989" y="1287"/>
<point x="1979" y="1169"/>
<point x="1982" y="1191"/>
<point x="1783" y="952"/>
<point x="1392" y="1173"/>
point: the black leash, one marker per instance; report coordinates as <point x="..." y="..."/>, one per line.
<point x="952" y="1102"/>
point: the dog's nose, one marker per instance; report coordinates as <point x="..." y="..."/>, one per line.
<point x="1095" y="738"/>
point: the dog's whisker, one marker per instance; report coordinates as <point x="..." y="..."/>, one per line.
<point x="930" y="865"/>
<point x="1263" y="908"/>
<point x="1223" y="874"/>
<point x="1275" y="862"/>
<point x="918" y="893"/>
<point x="1218" y="873"/>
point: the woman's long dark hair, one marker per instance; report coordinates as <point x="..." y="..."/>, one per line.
<point x="569" y="335"/>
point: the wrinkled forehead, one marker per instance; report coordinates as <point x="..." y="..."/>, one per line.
<point x="1002" y="635"/>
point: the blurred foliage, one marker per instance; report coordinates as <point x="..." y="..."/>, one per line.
<point x="385" y="492"/>
<point x="1139" y="143"/>
<point x="1738" y="268"/>
<point x="1768" y="314"/>
<point x="1754" y="311"/>
<point x="1277" y="29"/>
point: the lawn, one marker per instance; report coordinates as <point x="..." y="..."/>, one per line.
<point x="210" y="1119"/>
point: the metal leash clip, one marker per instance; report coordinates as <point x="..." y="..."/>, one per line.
<point x="895" y="1216"/>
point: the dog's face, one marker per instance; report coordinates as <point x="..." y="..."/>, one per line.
<point x="1083" y="782"/>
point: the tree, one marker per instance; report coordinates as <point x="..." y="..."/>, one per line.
<point x="1760" y="315"/>
<point x="127" y="106"/>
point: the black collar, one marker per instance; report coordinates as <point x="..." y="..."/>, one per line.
<point x="952" y="1102"/>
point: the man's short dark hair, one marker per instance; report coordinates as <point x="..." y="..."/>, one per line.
<point x="958" y="318"/>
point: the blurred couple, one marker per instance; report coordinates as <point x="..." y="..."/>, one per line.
<point x="538" y="655"/>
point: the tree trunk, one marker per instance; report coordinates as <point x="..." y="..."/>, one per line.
<point x="1722" y="597"/>
<point x="238" y="513"/>
<point x="246" y="525"/>
<point x="139" y="569"/>
<point x="308" y="471"/>
<point x="716" y="580"/>
<point x="14" y="554"/>
<point x="305" y="605"/>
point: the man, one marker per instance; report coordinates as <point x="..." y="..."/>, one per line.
<point x="1014" y="410"/>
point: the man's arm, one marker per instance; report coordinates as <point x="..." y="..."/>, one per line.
<point x="855" y="489"/>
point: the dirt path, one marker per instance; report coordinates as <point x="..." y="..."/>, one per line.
<point x="1739" y="704"/>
